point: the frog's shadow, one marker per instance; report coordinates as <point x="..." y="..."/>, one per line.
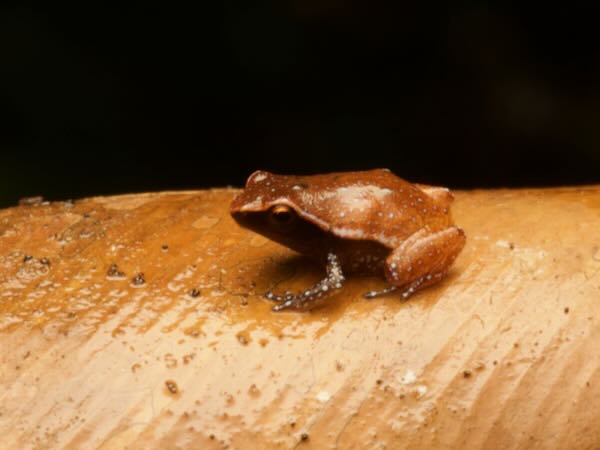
<point x="293" y="273"/>
<point x="279" y="271"/>
<point x="296" y="272"/>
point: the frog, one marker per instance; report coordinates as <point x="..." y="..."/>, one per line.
<point x="369" y="222"/>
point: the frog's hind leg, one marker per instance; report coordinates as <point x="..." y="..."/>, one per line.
<point x="422" y="260"/>
<point x="440" y="195"/>
<point x="314" y="295"/>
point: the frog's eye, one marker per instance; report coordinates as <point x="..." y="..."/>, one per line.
<point x="281" y="215"/>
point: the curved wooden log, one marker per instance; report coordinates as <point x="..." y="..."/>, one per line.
<point x="137" y="322"/>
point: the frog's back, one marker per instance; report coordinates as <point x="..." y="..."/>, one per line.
<point x="373" y="205"/>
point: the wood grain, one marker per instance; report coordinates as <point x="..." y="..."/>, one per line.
<point x="502" y="354"/>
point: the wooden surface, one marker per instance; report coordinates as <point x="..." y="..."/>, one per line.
<point x="504" y="354"/>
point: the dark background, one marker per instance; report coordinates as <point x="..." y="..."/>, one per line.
<point x="99" y="100"/>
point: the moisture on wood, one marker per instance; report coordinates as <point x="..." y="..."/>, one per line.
<point x="138" y="322"/>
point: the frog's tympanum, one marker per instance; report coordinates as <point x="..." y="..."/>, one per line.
<point x="367" y="222"/>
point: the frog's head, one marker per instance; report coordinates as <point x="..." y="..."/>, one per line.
<point x="269" y="205"/>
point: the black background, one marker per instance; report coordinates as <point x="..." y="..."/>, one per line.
<point x="100" y="100"/>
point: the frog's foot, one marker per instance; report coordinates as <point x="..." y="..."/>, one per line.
<point x="422" y="282"/>
<point x="314" y="295"/>
<point x="409" y="289"/>
<point x="381" y="292"/>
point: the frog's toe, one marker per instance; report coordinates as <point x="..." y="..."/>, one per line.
<point x="374" y="294"/>
<point x="285" y="305"/>
<point x="269" y="295"/>
<point x="298" y="302"/>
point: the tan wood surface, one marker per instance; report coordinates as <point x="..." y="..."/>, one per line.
<point x="503" y="354"/>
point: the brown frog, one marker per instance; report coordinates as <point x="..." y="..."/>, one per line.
<point x="368" y="222"/>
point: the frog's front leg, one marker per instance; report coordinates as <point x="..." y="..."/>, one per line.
<point x="421" y="260"/>
<point x="314" y="295"/>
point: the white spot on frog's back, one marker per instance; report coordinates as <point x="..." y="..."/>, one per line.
<point x="260" y="176"/>
<point x="308" y="198"/>
<point x="352" y="212"/>
<point x="350" y="233"/>
<point x="360" y="234"/>
<point x="346" y="199"/>
<point x="254" y="205"/>
<point x="361" y="197"/>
